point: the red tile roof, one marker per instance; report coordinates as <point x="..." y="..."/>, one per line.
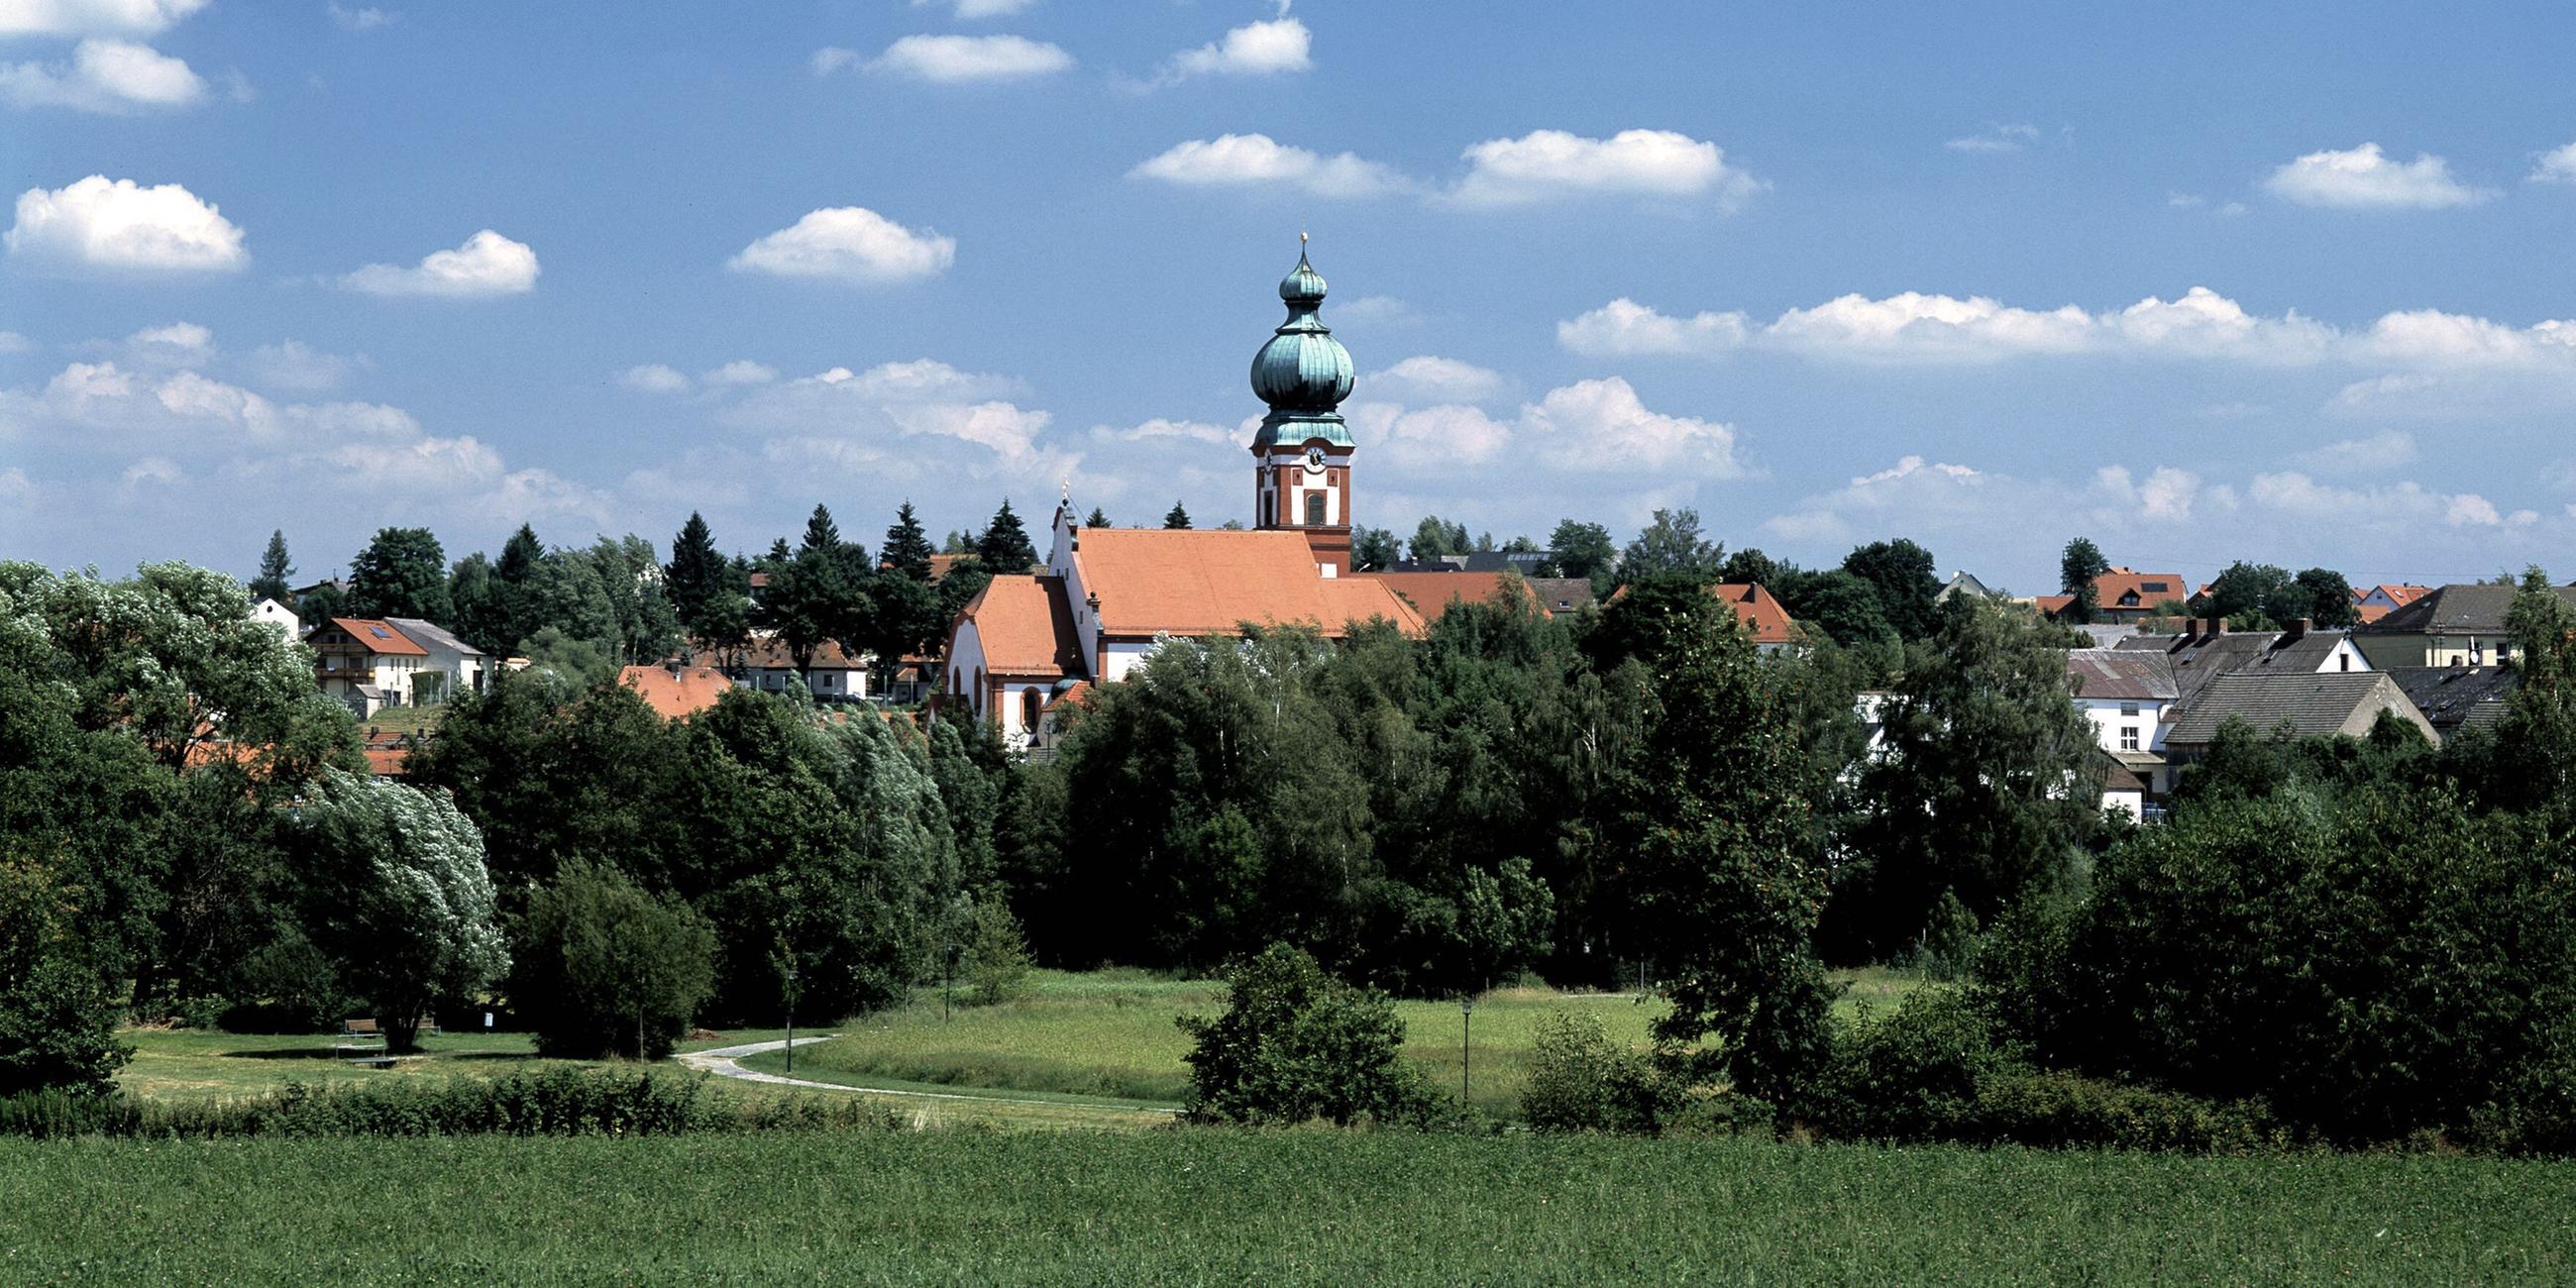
<point x="379" y="636"/>
<point x="768" y="653"/>
<point x="1760" y="611"/>
<point x="1026" y="627"/>
<point x="1209" y="582"/>
<point x="693" y="690"/>
<point x="1431" y="593"/>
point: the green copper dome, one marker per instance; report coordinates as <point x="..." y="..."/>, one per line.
<point x="1303" y="372"/>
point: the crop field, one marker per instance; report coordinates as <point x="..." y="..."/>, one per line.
<point x="1109" y="1036"/>
<point x="1200" y="1205"/>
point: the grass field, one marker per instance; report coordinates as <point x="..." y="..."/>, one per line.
<point x="1109" y="1036"/>
<point x="1197" y="1205"/>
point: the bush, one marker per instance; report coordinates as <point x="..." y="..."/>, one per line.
<point x="607" y="969"/>
<point x="1295" y="1044"/>
<point x="1581" y="1081"/>
<point x="1918" y="1074"/>
<point x="2065" y="1111"/>
<point x="997" y="957"/>
<point x="57" y="1019"/>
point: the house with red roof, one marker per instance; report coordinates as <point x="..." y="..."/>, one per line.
<point x="365" y="662"/>
<point x="677" y="690"/>
<point x="2124" y="595"/>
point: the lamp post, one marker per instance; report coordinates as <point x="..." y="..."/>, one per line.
<point x="1466" y="1030"/>
<point x="791" y="1019"/>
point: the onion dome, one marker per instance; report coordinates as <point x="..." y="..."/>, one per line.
<point x="1303" y="372"/>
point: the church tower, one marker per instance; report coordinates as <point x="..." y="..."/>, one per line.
<point x="1302" y="454"/>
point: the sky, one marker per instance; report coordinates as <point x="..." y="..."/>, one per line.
<point x="2204" y="282"/>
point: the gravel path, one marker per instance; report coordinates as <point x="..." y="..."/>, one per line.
<point x="720" y="1062"/>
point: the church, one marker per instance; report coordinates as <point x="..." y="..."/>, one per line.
<point x="1032" y="642"/>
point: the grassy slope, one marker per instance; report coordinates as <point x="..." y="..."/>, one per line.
<point x="1201" y="1205"/>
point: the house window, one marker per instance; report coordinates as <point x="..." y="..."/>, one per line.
<point x="2128" y="708"/>
<point x="2128" y="737"/>
<point x="1314" y="509"/>
<point x="2344" y="663"/>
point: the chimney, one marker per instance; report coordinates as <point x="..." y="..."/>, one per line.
<point x="2298" y="629"/>
<point x="2217" y="627"/>
<point x="2190" y="629"/>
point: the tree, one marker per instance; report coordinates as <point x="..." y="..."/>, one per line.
<point x="400" y="896"/>
<point x="1671" y="543"/>
<point x="1294" y="1044"/>
<point x="818" y="595"/>
<point x="274" y="569"/>
<point x="1986" y="783"/>
<point x="1176" y="517"/>
<point x="2076" y="569"/>
<point x="2330" y="602"/>
<point x="1374" y="549"/>
<point x="1845" y="608"/>
<point x="325" y="602"/>
<point x="1712" y="816"/>
<point x="997" y="958"/>
<point x="1005" y="547"/>
<point x="907" y="548"/>
<point x="1436" y="537"/>
<point x="57" y="1017"/>
<point x="474" y="595"/>
<point x="1584" y="550"/>
<point x="604" y="968"/>
<point x="401" y="573"/>
<point x="2257" y="597"/>
<point x="1901" y="572"/>
<point x="2536" y="741"/>
<point x="698" y="576"/>
<point x="512" y="614"/>
<point x="1096" y="519"/>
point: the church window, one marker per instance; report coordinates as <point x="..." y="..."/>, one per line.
<point x="1314" y="509"/>
<point x="1029" y="710"/>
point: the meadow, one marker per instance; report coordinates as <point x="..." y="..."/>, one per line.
<point x="1200" y="1205"/>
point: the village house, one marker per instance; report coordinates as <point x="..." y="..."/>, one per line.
<point x="2123" y="595"/>
<point x="2130" y="697"/>
<point x="831" y="675"/>
<point x="2206" y="648"/>
<point x="2459" y="625"/>
<point x="289" y="626"/>
<point x="676" y="690"/>
<point x="451" y="667"/>
<point x="2308" y="705"/>
<point x="2375" y="602"/>
<point x="365" y="663"/>
<point x="2454" y="698"/>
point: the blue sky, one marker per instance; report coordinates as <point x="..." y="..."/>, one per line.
<point x="2199" y="282"/>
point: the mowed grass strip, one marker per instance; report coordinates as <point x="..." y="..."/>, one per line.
<point x="1110" y="1035"/>
<point x="1183" y="1205"/>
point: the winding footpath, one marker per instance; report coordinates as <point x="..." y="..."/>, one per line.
<point x="720" y="1062"/>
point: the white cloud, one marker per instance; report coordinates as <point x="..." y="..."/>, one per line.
<point x="654" y="378"/>
<point x="1254" y="49"/>
<point x="1242" y="160"/>
<point x="741" y="371"/>
<point x="920" y="380"/>
<point x="1428" y="441"/>
<point x="2165" y="497"/>
<point x="121" y="225"/>
<point x="951" y="60"/>
<point x="1438" y="379"/>
<point x="2362" y="178"/>
<point x="1383" y="310"/>
<point x="12" y="342"/>
<point x="970" y="10"/>
<point x="2378" y="453"/>
<point x="2434" y="338"/>
<point x="487" y="265"/>
<point x="1552" y="164"/>
<point x="357" y="19"/>
<point x="1926" y="496"/>
<point x="294" y="364"/>
<point x="831" y="58"/>
<point x="848" y="244"/>
<point x="152" y="469"/>
<point x="1998" y="138"/>
<point x="1162" y="430"/>
<point x="104" y="76"/>
<point x="1625" y="328"/>
<point x="178" y="344"/>
<point x="1914" y="326"/>
<point x="2397" y="505"/>
<point x="1602" y="425"/>
<point x="2558" y="165"/>
<point x="93" y="17"/>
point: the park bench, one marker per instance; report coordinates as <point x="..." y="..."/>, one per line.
<point x="362" y="1042"/>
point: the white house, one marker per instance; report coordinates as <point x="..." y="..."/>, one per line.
<point x="280" y="616"/>
<point x="2130" y="696"/>
<point x="451" y="666"/>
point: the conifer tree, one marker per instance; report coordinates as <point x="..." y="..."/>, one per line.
<point x="907" y="547"/>
<point x="697" y="574"/>
<point x="273" y="571"/>
<point x="1005" y="547"/>
<point x="1097" y="519"/>
<point x="1178" y="518"/>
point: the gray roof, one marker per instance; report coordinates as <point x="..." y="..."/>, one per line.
<point x="2335" y="702"/>
<point x="2456" y="696"/>
<point x="2125" y="674"/>
<point x="2455" y="610"/>
<point x="2199" y="659"/>
<point x="1561" y="592"/>
<point x="428" y="635"/>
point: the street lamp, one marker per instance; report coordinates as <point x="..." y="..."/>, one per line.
<point x="791" y="1019"/>
<point x="1466" y="1029"/>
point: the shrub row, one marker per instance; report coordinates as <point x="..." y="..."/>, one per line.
<point x="555" y="1102"/>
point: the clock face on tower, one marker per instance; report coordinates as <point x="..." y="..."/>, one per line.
<point x="1314" y="460"/>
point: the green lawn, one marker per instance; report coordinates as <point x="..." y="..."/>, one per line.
<point x="1201" y="1205"/>
<point x="423" y="719"/>
<point x="1109" y="1036"/>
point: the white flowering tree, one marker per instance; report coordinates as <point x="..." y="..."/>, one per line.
<point x="402" y="897"/>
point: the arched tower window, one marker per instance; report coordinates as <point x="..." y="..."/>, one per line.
<point x="1314" y="509"/>
<point x="1029" y="710"/>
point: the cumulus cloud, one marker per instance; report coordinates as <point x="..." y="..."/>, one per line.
<point x="122" y="226"/>
<point x="1438" y="379"/>
<point x="831" y="58"/>
<point x="2363" y="178"/>
<point x="1384" y="310"/>
<point x="487" y="265"/>
<point x="741" y="371"/>
<point x="1998" y="138"/>
<point x="293" y="364"/>
<point x="953" y="60"/>
<point x="1602" y="425"/>
<point x="848" y="244"/>
<point x="1254" y="49"/>
<point x="93" y="17"/>
<point x="1159" y="430"/>
<point x="1427" y="441"/>
<point x="1244" y="160"/>
<point x="2396" y="505"/>
<point x="104" y="75"/>
<point x="1554" y="164"/>
<point x="178" y="344"/>
<point x="2166" y="496"/>
<point x="2558" y="165"/>
<point x="12" y="342"/>
<point x="1625" y="328"/>
<point x="2377" y="453"/>
<point x="654" y="378"/>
